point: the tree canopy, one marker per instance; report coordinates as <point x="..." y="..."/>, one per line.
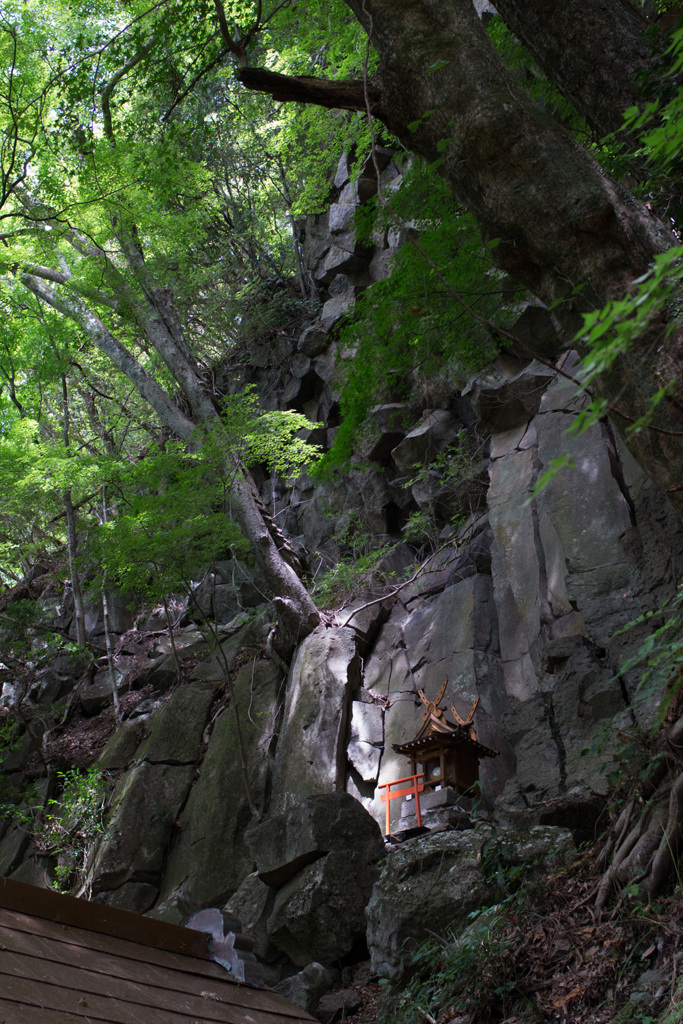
<point x="155" y="159"/>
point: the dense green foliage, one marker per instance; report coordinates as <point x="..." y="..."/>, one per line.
<point x="130" y="170"/>
<point x="407" y="330"/>
<point x="139" y="180"/>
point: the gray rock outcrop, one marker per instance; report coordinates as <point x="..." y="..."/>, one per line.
<point x="322" y="858"/>
<point x="285" y="843"/>
<point x="433" y="883"/>
<point x="321" y="911"/>
<point x="209" y="860"/>
<point x="312" y="745"/>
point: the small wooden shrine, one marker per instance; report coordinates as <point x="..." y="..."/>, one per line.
<point x="448" y="753"/>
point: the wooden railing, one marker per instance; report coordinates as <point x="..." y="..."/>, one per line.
<point x="415" y="789"/>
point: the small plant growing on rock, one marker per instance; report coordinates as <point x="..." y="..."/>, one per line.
<point x="346" y="579"/>
<point x="361" y="567"/>
<point x="71" y="825"/>
<point x="448" y="489"/>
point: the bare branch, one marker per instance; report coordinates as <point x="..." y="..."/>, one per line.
<point x="238" y="48"/>
<point x="345" y="95"/>
<point x="197" y="78"/>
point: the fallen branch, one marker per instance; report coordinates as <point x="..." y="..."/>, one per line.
<point x="421" y="570"/>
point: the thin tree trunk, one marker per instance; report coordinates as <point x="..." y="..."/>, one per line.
<point x="110" y="657"/>
<point x="300" y="271"/>
<point x="79" y="609"/>
<point x="107" y="631"/>
<point x="174" y="649"/>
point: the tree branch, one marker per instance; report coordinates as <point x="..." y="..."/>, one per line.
<point x="113" y="82"/>
<point x="345" y="95"/>
<point x="125" y="361"/>
<point x="238" y="48"/>
<point x="188" y="89"/>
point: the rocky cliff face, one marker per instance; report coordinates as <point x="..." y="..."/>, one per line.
<point x="522" y="610"/>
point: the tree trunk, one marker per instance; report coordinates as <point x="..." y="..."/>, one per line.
<point x="72" y="543"/>
<point x="296" y="610"/>
<point x="110" y="657"/>
<point x="643" y="845"/>
<point x="566" y="231"/>
<point x="79" y="610"/>
<point x="596" y="53"/>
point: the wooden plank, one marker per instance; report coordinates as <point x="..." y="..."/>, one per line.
<point x="90" y="1005"/>
<point x="85" y="1008"/>
<point x="14" y="1013"/>
<point x="84" y="985"/>
<point x="53" y="906"/>
<point x="109" y="944"/>
<point x="56" y="950"/>
<point x="52" y="951"/>
<point x="131" y="955"/>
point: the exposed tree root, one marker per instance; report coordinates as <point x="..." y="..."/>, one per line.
<point x="644" y="842"/>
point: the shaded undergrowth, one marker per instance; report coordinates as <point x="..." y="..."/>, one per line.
<point x="546" y="954"/>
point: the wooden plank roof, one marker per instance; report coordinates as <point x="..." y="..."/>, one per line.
<point x="437" y="729"/>
<point x="69" y="961"/>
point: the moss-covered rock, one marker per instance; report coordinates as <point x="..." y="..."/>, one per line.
<point x="433" y="883"/>
<point x="209" y="860"/>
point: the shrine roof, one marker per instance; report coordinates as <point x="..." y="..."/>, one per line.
<point x="438" y="731"/>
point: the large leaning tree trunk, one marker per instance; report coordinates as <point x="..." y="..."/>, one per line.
<point x="598" y="54"/>
<point x="567" y="231"/>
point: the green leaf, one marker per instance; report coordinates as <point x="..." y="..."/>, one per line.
<point x="555" y="467"/>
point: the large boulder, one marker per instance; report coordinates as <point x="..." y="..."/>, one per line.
<point x="96" y="695"/>
<point x="209" y="860"/>
<point x="503" y="402"/>
<point x="322" y="855"/>
<point x="123" y="745"/>
<point x="285" y="843"/>
<point x="253" y="905"/>
<point x="146" y="803"/>
<point x="320" y="913"/>
<point x="178" y="726"/>
<point x="424" y="442"/>
<point x="311" y="754"/>
<point x="306" y="988"/>
<point x="432" y="884"/>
